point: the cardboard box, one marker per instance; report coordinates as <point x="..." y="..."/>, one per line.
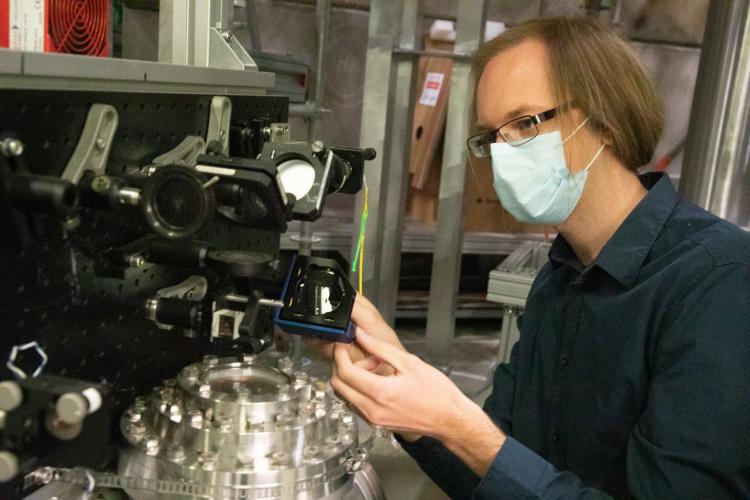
<point x="482" y="212"/>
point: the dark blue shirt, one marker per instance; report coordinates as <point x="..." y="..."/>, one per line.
<point x="631" y="377"/>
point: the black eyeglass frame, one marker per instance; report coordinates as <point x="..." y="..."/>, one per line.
<point x="474" y="143"/>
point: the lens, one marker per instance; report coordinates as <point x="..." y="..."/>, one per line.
<point x="320" y="291"/>
<point x="178" y="203"/>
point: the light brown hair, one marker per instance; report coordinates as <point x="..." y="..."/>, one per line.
<point x="591" y="65"/>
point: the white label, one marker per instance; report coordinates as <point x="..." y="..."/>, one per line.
<point x="431" y="90"/>
<point x="26" y="25"/>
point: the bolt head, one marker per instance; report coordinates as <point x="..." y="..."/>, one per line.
<point x="101" y="184"/>
<point x="100" y="143"/>
<point x="12" y="147"/>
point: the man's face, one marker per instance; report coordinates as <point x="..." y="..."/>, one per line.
<point x="516" y="82"/>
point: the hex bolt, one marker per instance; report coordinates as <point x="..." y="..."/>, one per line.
<point x="332" y="443"/>
<point x="210" y="360"/>
<point x="347" y="419"/>
<point x="209" y="460"/>
<point x="346" y="438"/>
<point x="283" y="391"/>
<point x="311" y="451"/>
<point x="301" y="378"/>
<point x="279" y="459"/>
<point x="140" y="403"/>
<point x="190" y="372"/>
<point x="175" y="453"/>
<point x="319" y="395"/>
<point x="284" y="419"/>
<point x="249" y="358"/>
<point x="195" y="418"/>
<point x="306" y="410"/>
<point x="152" y="445"/>
<point x="223" y="423"/>
<point x="285" y="365"/>
<point x="254" y="425"/>
<point x="173" y="409"/>
<point x="137" y="429"/>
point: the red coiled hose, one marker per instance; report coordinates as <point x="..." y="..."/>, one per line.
<point x="79" y="26"/>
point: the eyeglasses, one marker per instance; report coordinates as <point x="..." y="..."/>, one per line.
<point x="515" y="132"/>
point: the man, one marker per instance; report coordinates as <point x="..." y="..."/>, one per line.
<point x="632" y="373"/>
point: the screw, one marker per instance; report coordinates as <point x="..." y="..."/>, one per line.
<point x="100" y="143"/>
<point x="101" y="184"/>
<point x="318" y="147"/>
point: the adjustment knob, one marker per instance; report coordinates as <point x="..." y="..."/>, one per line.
<point x="8" y="466"/>
<point x="72" y="408"/>
<point x="11" y="396"/>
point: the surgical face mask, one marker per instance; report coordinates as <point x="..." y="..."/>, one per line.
<point x="533" y="181"/>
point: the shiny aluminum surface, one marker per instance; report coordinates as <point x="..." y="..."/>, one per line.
<point x="251" y="428"/>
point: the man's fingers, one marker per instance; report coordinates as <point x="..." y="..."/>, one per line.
<point x="358" y="378"/>
<point x="365" y="315"/>
<point x="370" y="363"/>
<point x="349" y="393"/>
<point x="387" y="352"/>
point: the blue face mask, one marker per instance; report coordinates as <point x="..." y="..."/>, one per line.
<point x="533" y="181"/>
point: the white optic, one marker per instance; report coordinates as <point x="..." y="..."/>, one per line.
<point x="297" y="177"/>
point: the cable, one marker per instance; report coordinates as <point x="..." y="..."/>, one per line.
<point x="79" y="26"/>
<point x="359" y="255"/>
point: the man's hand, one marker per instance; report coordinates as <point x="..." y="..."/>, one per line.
<point x="417" y="399"/>
<point x="366" y="317"/>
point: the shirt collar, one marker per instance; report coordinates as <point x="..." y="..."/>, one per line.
<point x="623" y="255"/>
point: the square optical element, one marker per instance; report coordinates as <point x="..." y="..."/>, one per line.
<point x="318" y="300"/>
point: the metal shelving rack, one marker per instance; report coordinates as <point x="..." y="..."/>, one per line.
<point x="390" y="72"/>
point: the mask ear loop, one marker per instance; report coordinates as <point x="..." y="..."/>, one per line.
<point x="576" y="130"/>
<point x="594" y="158"/>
